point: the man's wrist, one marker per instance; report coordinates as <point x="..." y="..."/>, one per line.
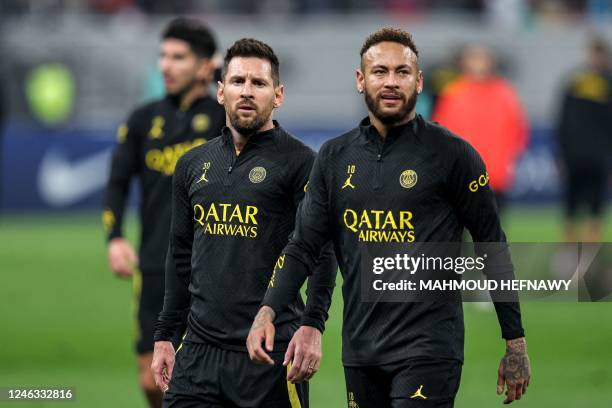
<point x="312" y="322"/>
<point x="163" y="345"/>
<point x="114" y="235"/>
<point x="516" y="345"/>
<point x="309" y="326"/>
<point x="266" y="313"/>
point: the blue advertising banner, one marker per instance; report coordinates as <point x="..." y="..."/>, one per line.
<point x="46" y="169"/>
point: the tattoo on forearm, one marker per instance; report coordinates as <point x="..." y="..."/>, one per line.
<point x="515" y="363"/>
<point x="264" y="316"/>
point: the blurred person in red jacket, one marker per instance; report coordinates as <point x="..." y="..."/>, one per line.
<point x="584" y="133"/>
<point x="484" y="109"/>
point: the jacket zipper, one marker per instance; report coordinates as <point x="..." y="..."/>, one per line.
<point x="228" y="179"/>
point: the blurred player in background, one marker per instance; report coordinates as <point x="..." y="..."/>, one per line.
<point x="395" y="178"/>
<point x="584" y="132"/>
<point x="484" y="109"/>
<point x="234" y="205"/>
<point x="148" y="147"/>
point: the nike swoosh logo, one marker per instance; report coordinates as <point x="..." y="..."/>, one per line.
<point x="62" y="183"/>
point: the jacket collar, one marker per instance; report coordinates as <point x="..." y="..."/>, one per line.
<point x="369" y="133"/>
<point x="258" y="138"/>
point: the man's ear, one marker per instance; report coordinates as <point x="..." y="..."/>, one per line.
<point x="220" y="95"/>
<point x="420" y="81"/>
<point x="279" y="96"/>
<point x="359" y="80"/>
<point x="206" y="70"/>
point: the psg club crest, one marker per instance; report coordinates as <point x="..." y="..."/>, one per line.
<point x="257" y="174"/>
<point x="408" y="178"/>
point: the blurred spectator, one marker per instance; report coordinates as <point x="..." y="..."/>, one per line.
<point x="110" y="6"/>
<point x="584" y="133"/>
<point x="484" y="109"/>
<point x="557" y="11"/>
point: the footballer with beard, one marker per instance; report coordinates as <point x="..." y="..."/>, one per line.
<point x="234" y="205"/>
<point x="396" y="178"/>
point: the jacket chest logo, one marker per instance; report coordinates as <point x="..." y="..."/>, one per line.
<point x="257" y="174"/>
<point x="205" y="168"/>
<point x="348" y="183"/>
<point x="408" y="178"/>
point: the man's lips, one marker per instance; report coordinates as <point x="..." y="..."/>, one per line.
<point x="390" y="96"/>
<point x="246" y="107"/>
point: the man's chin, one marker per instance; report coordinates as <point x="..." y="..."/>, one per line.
<point x="176" y="92"/>
<point x="389" y="118"/>
<point x="246" y="127"/>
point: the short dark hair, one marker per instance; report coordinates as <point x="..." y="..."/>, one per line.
<point x="390" y="34"/>
<point x="250" y="47"/>
<point x="193" y="32"/>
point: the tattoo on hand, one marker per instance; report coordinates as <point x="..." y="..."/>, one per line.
<point x="515" y="362"/>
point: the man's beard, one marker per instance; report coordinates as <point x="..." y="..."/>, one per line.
<point x="248" y="126"/>
<point x="391" y="118"/>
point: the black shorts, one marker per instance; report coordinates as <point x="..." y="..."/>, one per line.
<point x="586" y="185"/>
<point x="208" y="376"/>
<point x="406" y="384"/>
<point x="149" y="298"/>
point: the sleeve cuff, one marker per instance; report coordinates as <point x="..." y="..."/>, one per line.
<point x="514" y="334"/>
<point x="312" y="322"/>
<point x="114" y="234"/>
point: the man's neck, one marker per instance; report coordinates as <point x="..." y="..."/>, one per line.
<point x="383" y="129"/>
<point x="240" y="140"/>
<point x="187" y="98"/>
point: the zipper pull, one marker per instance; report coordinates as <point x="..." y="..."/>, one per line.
<point x="379" y="157"/>
<point x="230" y="169"/>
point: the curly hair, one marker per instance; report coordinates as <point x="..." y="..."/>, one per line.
<point x="389" y="34"/>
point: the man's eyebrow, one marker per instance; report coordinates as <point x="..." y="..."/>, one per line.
<point x="261" y="79"/>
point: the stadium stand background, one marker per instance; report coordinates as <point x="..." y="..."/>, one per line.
<point x="74" y="68"/>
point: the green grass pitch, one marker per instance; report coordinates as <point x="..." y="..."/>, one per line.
<point x="66" y="322"/>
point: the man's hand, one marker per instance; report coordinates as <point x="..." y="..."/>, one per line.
<point x="514" y="370"/>
<point x="304" y="352"/>
<point x="163" y="363"/>
<point x="262" y="331"/>
<point x="121" y="257"/>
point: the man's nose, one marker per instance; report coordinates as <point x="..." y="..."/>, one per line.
<point x="247" y="90"/>
<point x="164" y="65"/>
<point x="391" y="80"/>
